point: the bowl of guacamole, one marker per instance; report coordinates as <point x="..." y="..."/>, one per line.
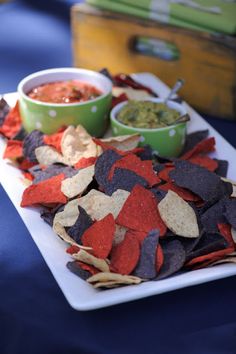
<point x="155" y="121"/>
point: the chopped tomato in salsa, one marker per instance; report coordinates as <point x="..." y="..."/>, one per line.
<point x="65" y="92"/>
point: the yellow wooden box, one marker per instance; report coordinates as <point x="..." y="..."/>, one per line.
<point x="207" y="62"/>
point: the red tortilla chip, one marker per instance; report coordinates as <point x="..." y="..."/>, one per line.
<point x="125" y="255"/>
<point x="12" y="123"/>
<point x="141" y="168"/>
<point x="25" y="164"/>
<point x="28" y="176"/>
<point x="14" y="149"/>
<point x="140" y="235"/>
<point x="88" y="267"/>
<point x="182" y="192"/>
<point x="73" y="249"/>
<point x="140" y="212"/>
<point x="45" y="192"/>
<point x="121" y="98"/>
<point x="99" y="236"/>
<point x="204" y="161"/>
<point x="159" y="258"/>
<point x="85" y="162"/>
<point x="164" y="174"/>
<point x="203" y="147"/>
<point x="225" y="230"/>
<point x="54" y="140"/>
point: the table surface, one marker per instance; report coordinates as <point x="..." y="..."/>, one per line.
<point x="34" y="315"/>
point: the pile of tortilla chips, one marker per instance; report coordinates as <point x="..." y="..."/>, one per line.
<point x="128" y="215"/>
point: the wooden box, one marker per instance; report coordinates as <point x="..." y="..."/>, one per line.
<point x="121" y="43"/>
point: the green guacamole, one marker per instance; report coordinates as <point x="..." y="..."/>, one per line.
<point x="147" y="114"/>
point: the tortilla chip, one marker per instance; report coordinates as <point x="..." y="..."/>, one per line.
<point x="48" y="155"/>
<point x="69" y="215"/>
<point x="88" y="258"/>
<point x="140" y="212"/>
<point x="174" y="258"/>
<point x="233" y="233"/>
<point x="45" y="192"/>
<point x="31" y="142"/>
<point x="77" y="184"/>
<point x="125" y="255"/>
<point x="99" y="236"/>
<point x="11" y="124"/>
<point x="119" y="235"/>
<point x="14" y="149"/>
<point x="146" y="267"/>
<point x="178" y="215"/>
<point x="132" y="94"/>
<point x="98" y="204"/>
<point x="111" y="280"/>
<point x="77" y="143"/>
<point x="123" y="142"/>
<point x="133" y="163"/>
<point x="82" y="223"/>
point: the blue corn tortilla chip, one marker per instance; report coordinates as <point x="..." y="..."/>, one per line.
<point x="230" y="212"/>
<point x="124" y="179"/>
<point x="222" y="168"/>
<point x="188" y="243"/>
<point x="146" y="267"/>
<point x="193" y="139"/>
<point x="209" y="242"/>
<point x="213" y="215"/>
<point x="103" y="166"/>
<point x="158" y="167"/>
<point x="82" y="223"/>
<point x="146" y="154"/>
<point x="48" y="214"/>
<point x="32" y="141"/>
<point x="20" y="135"/>
<point x="75" y="268"/>
<point x="174" y="258"/>
<point x="4" y="110"/>
<point x="207" y="185"/>
<point x="159" y="194"/>
<point x="50" y="171"/>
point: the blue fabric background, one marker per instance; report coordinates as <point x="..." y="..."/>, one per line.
<point x="35" y="318"/>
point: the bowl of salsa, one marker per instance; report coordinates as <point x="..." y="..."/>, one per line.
<point x="50" y="99"/>
<point x="158" y="123"/>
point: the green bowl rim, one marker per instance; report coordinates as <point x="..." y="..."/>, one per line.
<point x="24" y="96"/>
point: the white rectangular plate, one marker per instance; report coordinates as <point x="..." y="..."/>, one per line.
<point x="79" y="294"/>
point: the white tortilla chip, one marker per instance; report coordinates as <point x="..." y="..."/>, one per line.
<point x="77" y="184"/>
<point x="77" y="143"/>
<point x="61" y="232"/>
<point x="69" y="215"/>
<point x="88" y="258"/>
<point x="224" y="260"/>
<point x="132" y="94"/>
<point x="98" y="205"/>
<point x="119" y="235"/>
<point x="47" y="155"/>
<point x="123" y="142"/>
<point x="118" y="198"/>
<point x="111" y="280"/>
<point x="233" y="195"/>
<point x="178" y="215"/>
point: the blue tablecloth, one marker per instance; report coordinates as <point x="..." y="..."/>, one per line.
<point x="35" y="318"/>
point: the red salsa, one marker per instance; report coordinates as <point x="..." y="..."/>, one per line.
<point x="71" y="91"/>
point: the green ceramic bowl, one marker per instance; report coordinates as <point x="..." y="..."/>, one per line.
<point x="49" y="117"/>
<point x="167" y="142"/>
